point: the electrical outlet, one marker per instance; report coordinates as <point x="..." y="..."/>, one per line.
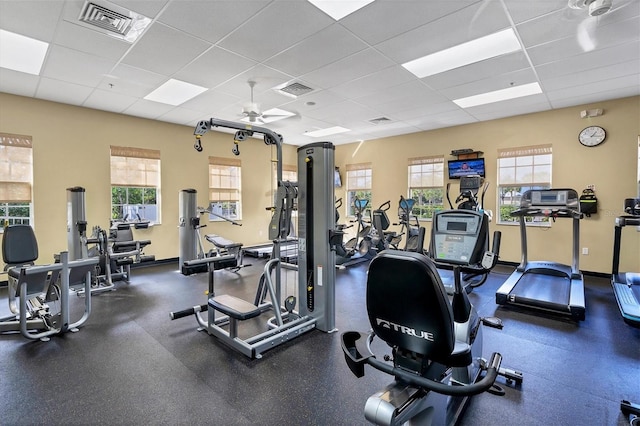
<point x="591" y="187"/>
<point x="585" y="250"/>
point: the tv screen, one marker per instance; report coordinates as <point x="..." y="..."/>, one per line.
<point x="337" y="179"/>
<point x="472" y="166"/>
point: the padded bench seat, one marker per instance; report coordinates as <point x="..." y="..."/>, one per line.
<point x="218" y="241"/>
<point x="234" y="307"/>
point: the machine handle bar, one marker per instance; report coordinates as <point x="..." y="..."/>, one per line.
<point x="465" y="390"/>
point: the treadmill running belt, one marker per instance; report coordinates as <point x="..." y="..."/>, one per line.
<point x="543" y="288"/>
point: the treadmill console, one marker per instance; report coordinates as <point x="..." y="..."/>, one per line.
<point x="456" y="235"/>
<point x="549" y="202"/>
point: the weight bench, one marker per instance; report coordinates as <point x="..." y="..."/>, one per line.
<point x="225" y="247"/>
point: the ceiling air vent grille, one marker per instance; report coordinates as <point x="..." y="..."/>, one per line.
<point x="104" y="18"/>
<point x="379" y="120"/>
<point x="296" y="89"/>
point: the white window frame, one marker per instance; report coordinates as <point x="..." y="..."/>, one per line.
<point x="359" y="183"/>
<point x="426" y="174"/>
<point x="225" y="188"/>
<point x="16" y="180"/>
<point x="135" y="171"/>
<point x="528" y="167"/>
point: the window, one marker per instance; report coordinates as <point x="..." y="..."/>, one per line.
<point x="358" y="185"/>
<point x="16" y="177"/>
<point x="135" y="184"/>
<point x="426" y="181"/>
<point x="521" y="169"/>
<point x="289" y="174"/>
<point x="225" y="188"/>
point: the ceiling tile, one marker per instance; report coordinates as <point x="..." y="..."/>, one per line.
<point x="109" y="100"/>
<point x="358" y="65"/>
<point x="147" y="109"/>
<point x="585" y="77"/>
<point x="210" y="20"/>
<point x="397" y="20"/>
<point x="62" y="91"/>
<point x="496" y="82"/>
<point x="65" y="64"/>
<point x="524" y="10"/>
<point x="148" y="8"/>
<point x="18" y="83"/>
<point x="480" y="19"/>
<point x="589" y="60"/>
<point x="326" y="46"/>
<point x="275" y="28"/>
<point x="164" y="50"/>
<point x="207" y="71"/>
<point x="40" y="17"/>
<point x="478" y="71"/>
<point x="86" y="40"/>
<point x="375" y="82"/>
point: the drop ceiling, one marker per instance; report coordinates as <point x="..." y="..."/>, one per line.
<point x="353" y="65"/>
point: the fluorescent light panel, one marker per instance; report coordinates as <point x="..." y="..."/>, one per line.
<point x="20" y="53"/>
<point x="477" y="50"/>
<point x="175" y="92"/>
<point x="499" y="95"/>
<point x="338" y="9"/>
<point x="326" y="132"/>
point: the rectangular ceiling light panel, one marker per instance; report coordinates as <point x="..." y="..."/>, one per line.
<point x="20" y="53"/>
<point x="326" y="132"/>
<point x="477" y="50"/>
<point x="175" y="92"/>
<point x="338" y="9"/>
<point x="499" y="95"/>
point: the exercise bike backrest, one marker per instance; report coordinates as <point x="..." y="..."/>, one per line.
<point x="410" y="311"/>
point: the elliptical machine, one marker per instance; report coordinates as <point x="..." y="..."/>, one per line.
<point x="359" y="248"/>
<point x="471" y="222"/>
<point x="414" y="240"/>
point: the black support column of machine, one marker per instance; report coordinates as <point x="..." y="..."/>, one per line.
<point x="626" y="285"/>
<point x="544" y="285"/>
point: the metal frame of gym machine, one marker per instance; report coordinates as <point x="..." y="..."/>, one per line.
<point x="316" y="260"/>
<point x="543" y="283"/>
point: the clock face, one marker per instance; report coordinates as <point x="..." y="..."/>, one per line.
<point x="592" y="136"/>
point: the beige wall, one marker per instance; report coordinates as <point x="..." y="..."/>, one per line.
<point x="71" y="148"/>
<point x="611" y="167"/>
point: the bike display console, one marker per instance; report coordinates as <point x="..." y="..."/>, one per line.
<point x="544" y="285"/>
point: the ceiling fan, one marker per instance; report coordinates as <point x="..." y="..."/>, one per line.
<point x="586" y="30"/>
<point x="252" y="113"/>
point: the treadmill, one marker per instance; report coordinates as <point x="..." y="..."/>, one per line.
<point x="626" y="285"/>
<point x="544" y="285"/>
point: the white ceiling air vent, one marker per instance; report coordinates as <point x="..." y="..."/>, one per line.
<point x="379" y="120"/>
<point x="113" y="20"/>
<point x="294" y="89"/>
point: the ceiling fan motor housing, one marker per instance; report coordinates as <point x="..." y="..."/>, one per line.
<point x="599" y="7"/>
